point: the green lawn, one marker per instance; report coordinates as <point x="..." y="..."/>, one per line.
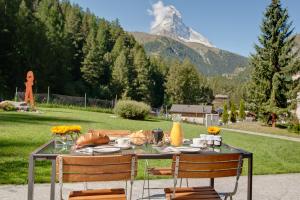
<point x="21" y="133"/>
<point x="262" y="128"/>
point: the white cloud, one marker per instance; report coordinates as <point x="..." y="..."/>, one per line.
<point x="160" y="12"/>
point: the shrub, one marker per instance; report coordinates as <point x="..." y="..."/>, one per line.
<point x="6" y="106"/>
<point x="132" y="109"/>
<point x="294" y="128"/>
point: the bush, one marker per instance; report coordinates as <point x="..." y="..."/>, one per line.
<point x="294" y="128"/>
<point x="132" y="109"/>
<point x="6" y="106"/>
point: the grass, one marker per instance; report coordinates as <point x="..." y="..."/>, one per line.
<point x="262" y="128"/>
<point x="21" y="133"/>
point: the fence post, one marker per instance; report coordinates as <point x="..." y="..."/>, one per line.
<point x="84" y="100"/>
<point x="16" y="95"/>
<point x="48" y="95"/>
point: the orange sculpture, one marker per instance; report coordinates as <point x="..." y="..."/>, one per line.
<point x="28" y="92"/>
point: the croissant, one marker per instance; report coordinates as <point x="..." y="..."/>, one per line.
<point x="92" y="138"/>
<point x="138" y="138"/>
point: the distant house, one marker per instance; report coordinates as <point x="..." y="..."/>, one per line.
<point x="191" y="113"/>
<point x="219" y="100"/>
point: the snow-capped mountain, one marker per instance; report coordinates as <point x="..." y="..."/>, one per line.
<point x="168" y="22"/>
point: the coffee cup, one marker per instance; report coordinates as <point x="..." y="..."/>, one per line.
<point x="210" y="140"/>
<point x="123" y="141"/>
<point x="196" y="141"/>
<point x="203" y="136"/>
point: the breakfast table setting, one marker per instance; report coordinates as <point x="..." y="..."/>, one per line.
<point x="145" y="144"/>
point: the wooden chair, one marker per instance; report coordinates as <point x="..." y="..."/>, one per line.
<point x="203" y="166"/>
<point x="156" y="171"/>
<point x="96" y="168"/>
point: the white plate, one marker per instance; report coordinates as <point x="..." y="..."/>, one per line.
<point x="123" y="146"/>
<point x="188" y="149"/>
<point x="107" y="150"/>
<point x="87" y="150"/>
<point x="197" y="146"/>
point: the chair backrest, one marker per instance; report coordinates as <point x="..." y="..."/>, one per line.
<point x="96" y="168"/>
<point x="206" y="166"/>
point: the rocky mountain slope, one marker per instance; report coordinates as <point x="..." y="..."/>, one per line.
<point x="210" y="60"/>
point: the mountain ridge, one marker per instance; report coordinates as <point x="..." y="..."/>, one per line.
<point x="209" y="60"/>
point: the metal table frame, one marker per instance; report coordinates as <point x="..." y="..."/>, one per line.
<point x="36" y="156"/>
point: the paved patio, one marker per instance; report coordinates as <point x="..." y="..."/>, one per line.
<point x="266" y="187"/>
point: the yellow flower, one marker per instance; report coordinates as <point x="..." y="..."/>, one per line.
<point x="65" y="129"/>
<point x="213" y="130"/>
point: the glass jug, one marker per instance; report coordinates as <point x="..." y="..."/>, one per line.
<point x="176" y="135"/>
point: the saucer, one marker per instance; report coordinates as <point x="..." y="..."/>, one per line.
<point x="123" y="146"/>
<point x="197" y="146"/>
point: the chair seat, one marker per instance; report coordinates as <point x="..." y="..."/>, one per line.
<point x="201" y="193"/>
<point x="99" y="194"/>
<point x="160" y="171"/>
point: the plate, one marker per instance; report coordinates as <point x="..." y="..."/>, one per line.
<point x="87" y="150"/>
<point x="107" y="150"/>
<point x="188" y="149"/>
<point x="123" y="146"/>
<point x="198" y="146"/>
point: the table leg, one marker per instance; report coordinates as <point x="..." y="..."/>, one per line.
<point x="212" y="182"/>
<point x="30" y="177"/>
<point x="250" y="176"/>
<point x="53" y="176"/>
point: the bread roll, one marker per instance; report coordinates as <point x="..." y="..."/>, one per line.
<point x="92" y="138"/>
<point x="138" y="138"/>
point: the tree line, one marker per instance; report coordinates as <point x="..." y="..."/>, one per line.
<point x="75" y="52"/>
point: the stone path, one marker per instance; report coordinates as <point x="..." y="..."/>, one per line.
<point x="265" y="134"/>
<point x="265" y="187"/>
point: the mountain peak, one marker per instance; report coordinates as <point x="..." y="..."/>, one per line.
<point x="168" y="22"/>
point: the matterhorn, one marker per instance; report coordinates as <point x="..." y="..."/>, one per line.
<point x="168" y="22"/>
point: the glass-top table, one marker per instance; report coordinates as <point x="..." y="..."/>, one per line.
<point x="48" y="151"/>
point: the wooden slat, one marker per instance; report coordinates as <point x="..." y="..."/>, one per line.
<point x="207" y="193"/>
<point x="104" y="197"/>
<point x="208" y="166"/>
<point x="160" y="171"/>
<point x="190" y="196"/>
<point x="96" y="160"/>
<point x="190" y="189"/>
<point x="205" y="174"/>
<point x="96" y="168"/>
<point x="97" y="192"/>
<point x="207" y="158"/>
<point x="95" y="177"/>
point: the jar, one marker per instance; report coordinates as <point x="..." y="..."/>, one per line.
<point x="217" y="140"/>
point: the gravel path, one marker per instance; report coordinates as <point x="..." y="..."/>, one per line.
<point x="265" y="134"/>
<point x="265" y="187"/>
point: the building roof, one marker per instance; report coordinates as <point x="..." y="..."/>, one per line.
<point x="181" y="108"/>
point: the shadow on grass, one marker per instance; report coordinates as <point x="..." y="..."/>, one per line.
<point x="19" y="143"/>
<point x="25" y="118"/>
<point x="16" y="171"/>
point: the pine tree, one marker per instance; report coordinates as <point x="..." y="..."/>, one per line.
<point x="186" y="85"/>
<point x="232" y="115"/>
<point x="225" y="114"/>
<point x="273" y="59"/>
<point x="242" y="114"/>
<point x="120" y="85"/>
<point x="142" y="82"/>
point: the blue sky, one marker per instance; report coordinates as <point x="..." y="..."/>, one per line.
<point x="229" y="24"/>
